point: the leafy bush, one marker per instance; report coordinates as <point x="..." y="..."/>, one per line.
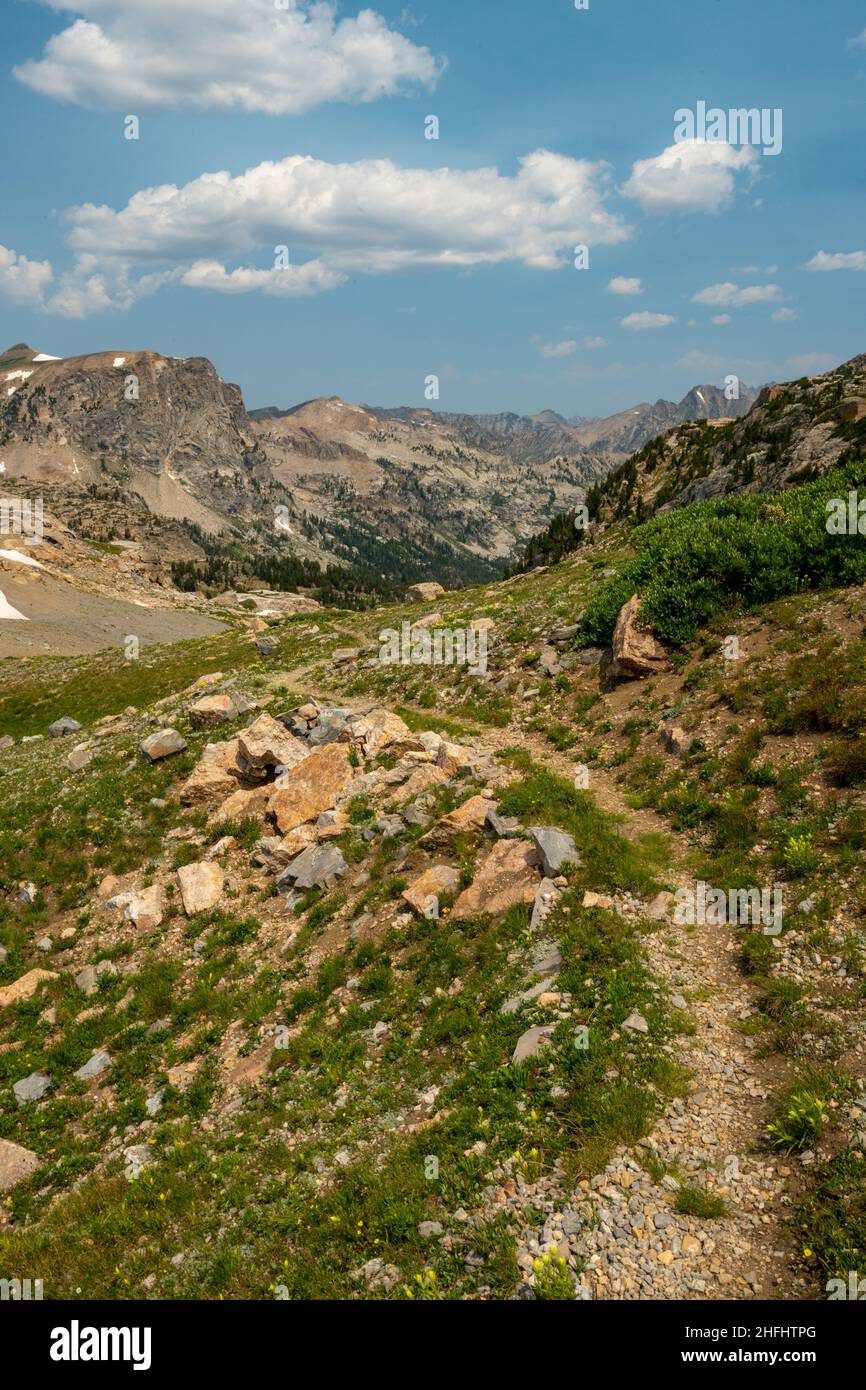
<point x="749" y="549"/>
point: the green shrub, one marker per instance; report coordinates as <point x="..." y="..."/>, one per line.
<point x="747" y="549"/>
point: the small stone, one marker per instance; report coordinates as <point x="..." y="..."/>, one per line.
<point x="201" y="886"/>
<point x="636" y="1023"/>
<point x="16" y="1164"/>
<point x="95" y="1066"/>
<point x="32" y="1087"/>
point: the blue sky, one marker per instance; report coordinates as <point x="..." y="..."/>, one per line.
<point x="424" y="263"/>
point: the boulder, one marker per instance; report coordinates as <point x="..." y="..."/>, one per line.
<point x="507" y="876"/>
<point x="24" y="987"/>
<point x="506" y="827"/>
<point x="216" y="774"/>
<point x="268" y="743"/>
<point x="63" y="726"/>
<point x="421" y="780"/>
<point x="636" y="653"/>
<point x="472" y="815"/>
<point x="530" y="1043"/>
<point x="94" y="1066"/>
<point x="219" y="709"/>
<point x="675" y="739"/>
<point x="16" y="1164"/>
<point x="201" y="886"/>
<point x="343" y="656"/>
<point x="243" y="804"/>
<point x="423" y="593"/>
<point x="555" y="848"/>
<point x="433" y="884"/>
<point x="311" y="787"/>
<point x="32" y="1087"/>
<point x="318" y="866"/>
<point x="80" y="758"/>
<point x="146" y="909"/>
<point x="163" y="744"/>
<point x="377" y="730"/>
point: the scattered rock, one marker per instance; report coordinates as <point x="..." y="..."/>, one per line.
<point x="533" y="1041"/>
<point x="95" y="1066"/>
<point x="63" y="726"/>
<point x="16" y="1164"/>
<point x="25" y="987"/>
<point x="555" y="848"/>
<point x="162" y="744"/>
<point x="201" y="886"/>
<point x="433" y="884"/>
<point x="311" y="787"/>
<point x="507" y="876"/>
<point x="32" y="1087"/>
<point x="318" y="866"/>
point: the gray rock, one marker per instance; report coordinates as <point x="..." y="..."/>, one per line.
<point x="32" y="1087"/>
<point x="153" y="1104"/>
<point x="506" y="827"/>
<point x="318" y="866"/>
<point x="518" y="1000"/>
<point x="555" y="848"/>
<point x="545" y="901"/>
<point x="533" y="1041"/>
<point x="429" y="1229"/>
<point x="63" y="726"/>
<point x="636" y="1023"/>
<point x="266" y="646"/>
<point x="95" y="1066"/>
<point x="28" y="894"/>
<point x="138" y="1157"/>
<point x="591" y="656"/>
<point x="7" y="741"/>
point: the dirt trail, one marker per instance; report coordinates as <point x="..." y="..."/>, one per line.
<point x="713" y="1137"/>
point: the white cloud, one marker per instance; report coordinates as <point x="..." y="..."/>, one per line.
<point x="721" y="319"/>
<point x="638" y="322"/>
<point x="859" y="41"/>
<point x="564" y="349"/>
<point x="784" y="316"/>
<point x="592" y="343"/>
<point x="130" y="56"/>
<point x="729" y="295"/>
<point x="839" y="260"/>
<point x="23" y="281"/>
<point x="698" y="361"/>
<point x="754" y="269"/>
<point x="294" y="280"/>
<point x="620" y="284"/>
<point x="812" y="363"/>
<point x="372" y="217"/>
<point x="690" y="176"/>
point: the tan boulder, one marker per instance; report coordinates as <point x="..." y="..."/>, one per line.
<point x="310" y="787"/>
<point x="216" y="774"/>
<point x="421" y="780"/>
<point x="423" y="593"/>
<point x="298" y="839"/>
<point x="434" y="883"/>
<point x="217" y="709"/>
<point x="636" y="653"/>
<point x="268" y="743"/>
<point x="379" y="729"/>
<point x="243" y="804"/>
<point x="146" y="910"/>
<point x="201" y="886"/>
<point x="24" y="987"/>
<point x="472" y="815"/>
<point x="16" y="1164"/>
<point x="507" y="876"/>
